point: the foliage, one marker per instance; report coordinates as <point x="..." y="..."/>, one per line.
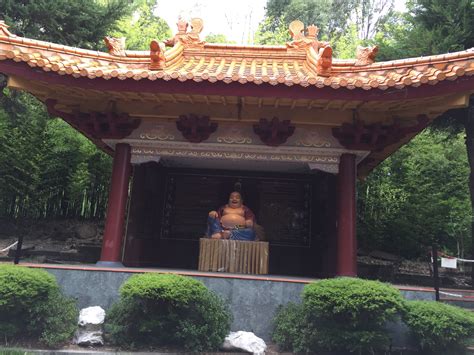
<point x="268" y="34"/>
<point x="31" y="305"/>
<point x="142" y="26"/>
<point x="292" y="331"/>
<point x="439" y="327"/>
<point x="49" y="169"/>
<point x="167" y="310"/>
<point x="13" y="351"/>
<point x="331" y="16"/>
<point x="343" y="314"/>
<point x="217" y="38"/>
<point x="81" y="23"/>
<point x="416" y="196"/>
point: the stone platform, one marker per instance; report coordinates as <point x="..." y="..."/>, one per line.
<point x="253" y="299"/>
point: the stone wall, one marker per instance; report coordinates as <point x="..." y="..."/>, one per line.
<point x="253" y="302"/>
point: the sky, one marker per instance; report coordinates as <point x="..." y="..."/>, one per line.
<point x="237" y="20"/>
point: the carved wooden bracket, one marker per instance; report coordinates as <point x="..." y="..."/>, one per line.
<point x="274" y="132"/>
<point x="374" y="137"/>
<point x="109" y="125"/>
<point x="195" y="129"/>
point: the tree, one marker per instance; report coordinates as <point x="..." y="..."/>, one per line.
<point x="217" y="38"/>
<point x="331" y="16"/>
<point x="81" y="23"/>
<point x="142" y="26"/>
<point x="49" y="169"/>
<point x="417" y="195"/>
<point x="449" y="26"/>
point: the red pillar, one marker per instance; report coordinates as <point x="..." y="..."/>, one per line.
<point x="118" y="194"/>
<point x="346" y="217"/>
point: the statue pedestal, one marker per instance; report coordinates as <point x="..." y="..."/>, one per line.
<point x="233" y="256"/>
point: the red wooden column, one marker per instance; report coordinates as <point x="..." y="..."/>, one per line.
<point x="118" y="194"/>
<point x="346" y="217"/>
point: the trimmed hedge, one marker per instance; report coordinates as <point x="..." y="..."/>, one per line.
<point x="438" y="327"/>
<point x="31" y="305"/>
<point x="342" y="314"/>
<point x="157" y="310"/>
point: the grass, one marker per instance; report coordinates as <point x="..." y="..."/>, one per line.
<point x="13" y="351"/>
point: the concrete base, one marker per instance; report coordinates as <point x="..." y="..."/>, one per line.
<point x="114" y="264"/>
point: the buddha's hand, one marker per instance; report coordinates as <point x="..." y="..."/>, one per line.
<point x="213" y="214"/>
<point x="249" y="223"/>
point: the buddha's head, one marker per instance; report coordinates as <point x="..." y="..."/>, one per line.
<point x="235" y="200"/>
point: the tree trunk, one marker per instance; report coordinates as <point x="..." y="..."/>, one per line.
<point x="469" y="129"/>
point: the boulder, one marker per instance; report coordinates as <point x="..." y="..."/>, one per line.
<point x="86" y="338"/>
<point x="246" y="341"/>
<point x="85" y="231"/>
<point x="90" y="324"/>
<point x="91" y="316"/>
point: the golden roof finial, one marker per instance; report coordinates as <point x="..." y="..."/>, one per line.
<point x="182" y="26"/>
<point x="312" y="32"/>
<point x="187" y="37"/>
<point x="296" y="30"/>
<point x="196" y="26"/>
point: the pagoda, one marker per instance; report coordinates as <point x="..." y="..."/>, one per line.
<point x="188" y="121"/>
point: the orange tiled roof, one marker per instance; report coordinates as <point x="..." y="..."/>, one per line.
<point x="305" y="61"/>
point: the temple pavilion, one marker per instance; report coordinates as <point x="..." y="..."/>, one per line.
<point x="187" y="122"/>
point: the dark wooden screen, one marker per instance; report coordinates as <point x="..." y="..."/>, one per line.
<point x="282" y="205"/>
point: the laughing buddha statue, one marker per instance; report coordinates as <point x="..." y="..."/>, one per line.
<point x="232" y="221"/>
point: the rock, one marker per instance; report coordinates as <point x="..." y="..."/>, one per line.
<point x="90" y="327"/>
<point x="85" y="231"/>
<point x="91" y="316"/>
<point x="87" y="338"/>
<point x="246" y="341"/>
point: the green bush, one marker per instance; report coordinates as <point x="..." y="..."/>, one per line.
<point x="291" y="330"/>
<point x="168" y="309"/>
<point x="342" y="314"/>
<point x="31" y="305"/>
<point x="438" y="327"/>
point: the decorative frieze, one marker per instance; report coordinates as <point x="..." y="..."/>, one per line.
<point x="159" y="133"/>
<point x="211" y="154"/>
<point x="312" y="138"/>
<point x="234" y="135"/>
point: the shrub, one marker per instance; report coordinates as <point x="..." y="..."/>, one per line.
<point x="438" y="327"/>
<point x="343" y="314"/>
<point x="292" y="331"/>
<point x="31" y="305"/>
<point x="167" y="310"/>
<point x="351" y="313"/>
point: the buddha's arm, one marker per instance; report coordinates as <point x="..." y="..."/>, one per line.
<point x="249" y="217"/>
